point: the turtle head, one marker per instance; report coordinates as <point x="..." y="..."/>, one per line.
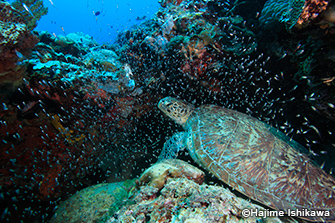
<point x="176" y="109"/>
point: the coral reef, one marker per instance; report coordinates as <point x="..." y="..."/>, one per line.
<point x="16" y="42"/>
<point x="31" y="11"/>
<point x="198" y="40"/>
<point x="310" y="46"/>
<point x="82" y="39"/>
<point x="169" y="191"/>
<point x="75" y="113"/>
<point x="183" y="199"/>
<point x="43" y="126"/>
<point x="106" y="58"/>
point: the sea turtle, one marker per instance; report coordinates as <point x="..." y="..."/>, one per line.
<point x="250" y="157"/>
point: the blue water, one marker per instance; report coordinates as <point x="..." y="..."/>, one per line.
<point x="66" y="16"/>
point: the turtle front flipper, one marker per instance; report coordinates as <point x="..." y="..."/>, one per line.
<point x="172" y="146"/>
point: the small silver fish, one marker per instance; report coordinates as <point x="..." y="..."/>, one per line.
<point x="28" y="10"/>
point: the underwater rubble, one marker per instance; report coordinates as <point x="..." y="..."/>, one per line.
<point x="75" y="113"/>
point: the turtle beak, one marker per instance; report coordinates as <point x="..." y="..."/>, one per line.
<point x="161" y="105"/>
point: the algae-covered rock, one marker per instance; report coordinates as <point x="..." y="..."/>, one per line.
<point x="183" y="200"/>
<point x="93" y="203"/>
<point x="158" y="174"/>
